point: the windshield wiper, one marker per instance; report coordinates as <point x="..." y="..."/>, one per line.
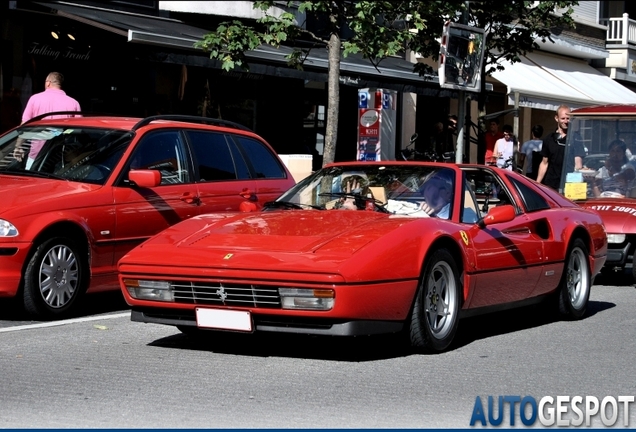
<point x="289" y="204"/>
<point x="41" y="174"/>
<point x="28" y="173"/>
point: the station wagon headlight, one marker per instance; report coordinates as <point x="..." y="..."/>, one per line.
<point x="7" y="229"/>
<point x="306" y="298"/>
<point x="616" y="238"/>
<point x="149" y="290"/>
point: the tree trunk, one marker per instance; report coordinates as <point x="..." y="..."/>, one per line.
<point x="481" y="126"/>
<point x="333" y="99"/>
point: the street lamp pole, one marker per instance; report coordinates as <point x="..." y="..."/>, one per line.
<point x="461" y="112"/>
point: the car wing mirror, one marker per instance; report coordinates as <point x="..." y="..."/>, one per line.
<point x="499" y="214"/>
<point x="144" y="178"/>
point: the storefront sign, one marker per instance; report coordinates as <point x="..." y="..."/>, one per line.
<point x="56" y="53"/>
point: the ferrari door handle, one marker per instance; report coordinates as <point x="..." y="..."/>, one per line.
<point x="190" y="198"/>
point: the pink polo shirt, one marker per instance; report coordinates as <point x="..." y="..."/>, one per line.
<point x="47" y="101"/>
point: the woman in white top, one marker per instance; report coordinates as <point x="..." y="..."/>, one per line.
<point x="505" y="148"/>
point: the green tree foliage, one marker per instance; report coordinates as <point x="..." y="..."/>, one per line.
<point x="378" y="29"/>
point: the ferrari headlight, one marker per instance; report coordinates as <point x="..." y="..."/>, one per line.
<point x="7" y="229"/>
<point x="616" y="238"/>
<point x="306" y="298"/>
<point x="149" y="290"/>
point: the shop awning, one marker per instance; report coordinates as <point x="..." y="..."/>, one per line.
<point x="546" y="81"/>
<point x="352" y="65"/>
<point x="136" y="27"/>
<point x="395" y="73"/>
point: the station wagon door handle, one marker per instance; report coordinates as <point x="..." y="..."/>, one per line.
<point x="190" y="198"/>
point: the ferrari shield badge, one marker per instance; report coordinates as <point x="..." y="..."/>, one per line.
<point x="228" y="256"/>
<point x="464" y="237"/>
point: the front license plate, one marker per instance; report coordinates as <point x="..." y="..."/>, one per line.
<point x="224" y="319"/>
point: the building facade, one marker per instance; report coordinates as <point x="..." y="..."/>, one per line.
<point x="136" y="58"/>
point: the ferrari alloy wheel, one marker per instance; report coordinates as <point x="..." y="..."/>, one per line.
<point x="436" y="309"/>
<point x="576" y="282"/>
<point x="55" y="277"/>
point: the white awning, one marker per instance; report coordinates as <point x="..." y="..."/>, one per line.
<point x="546" y="81"/>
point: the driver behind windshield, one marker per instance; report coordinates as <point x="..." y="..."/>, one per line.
<point x="438" y="193"/>
<point x="614" y="178"/>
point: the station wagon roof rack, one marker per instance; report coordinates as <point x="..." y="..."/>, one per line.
<point x="55" y="113"/>
<point x="191" y="119"/>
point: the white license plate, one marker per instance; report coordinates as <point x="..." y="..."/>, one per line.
<point x="224" y="319"/>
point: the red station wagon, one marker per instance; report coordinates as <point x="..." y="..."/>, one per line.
<point x="96" y="187"/>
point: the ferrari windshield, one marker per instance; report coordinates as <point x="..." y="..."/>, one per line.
<point x="605" y="145"/>
<point x="391" y="189"/>
<point x="77" y="154"/>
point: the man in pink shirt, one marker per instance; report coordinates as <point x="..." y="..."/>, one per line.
<point x="53" y="98"/>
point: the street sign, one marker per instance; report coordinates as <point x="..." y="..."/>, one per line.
<point x="461" y="56"/>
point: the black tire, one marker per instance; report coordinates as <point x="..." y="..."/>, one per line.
<point x="56" y="277"/>
<point x="576" y="282"/>
<point x="435" y="313"/>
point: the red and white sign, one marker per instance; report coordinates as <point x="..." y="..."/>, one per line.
<point x="369" y="123"/>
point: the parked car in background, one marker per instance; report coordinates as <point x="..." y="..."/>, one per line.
<point x="607" y="182"/>
<point x="360" y="248"/>
<point x="101" y="185"/>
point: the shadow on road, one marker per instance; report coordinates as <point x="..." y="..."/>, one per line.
<point x="613" y="278"/>
<point x="513" y="320"/>
<point x="92" y="304"/>
<point x="362" y="348"/>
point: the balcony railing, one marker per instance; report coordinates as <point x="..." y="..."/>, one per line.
<point x="620" y="30"/>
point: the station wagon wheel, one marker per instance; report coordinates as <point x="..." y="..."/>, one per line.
<point x="574" y="289"/>
<point x="436" y="308"/>
<point x="56" y="276"/>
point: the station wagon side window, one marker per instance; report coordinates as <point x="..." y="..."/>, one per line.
<point x="264" y="162"/>
<point x="213" y="157"/>
<point x="163" y="151"/>
<point x="532" y="200"/>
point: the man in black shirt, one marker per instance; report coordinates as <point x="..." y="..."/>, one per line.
<point x="553" y="152"/>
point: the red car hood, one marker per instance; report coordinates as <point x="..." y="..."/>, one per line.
<point x="293" y="240"/>
<point x="21" y="191"/>
<point x="618" y="214"/>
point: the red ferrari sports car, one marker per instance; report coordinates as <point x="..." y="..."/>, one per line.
<point x="360" y="248"/>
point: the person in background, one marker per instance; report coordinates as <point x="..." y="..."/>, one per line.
<point x="614" y="179"/>
<point x="445" y="135"/>
<point x="491" y="136"/>
<point x="53" y="98"/>
<point x="532" y="145"/>
<point x="553" y="152"/>
<point x="505" y="149"/>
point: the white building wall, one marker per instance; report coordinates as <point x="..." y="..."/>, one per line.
<point x="237" y="9"/>
<point x="586" y="12"/>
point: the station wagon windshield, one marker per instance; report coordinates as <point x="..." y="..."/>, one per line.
<point x="77" y="154"/>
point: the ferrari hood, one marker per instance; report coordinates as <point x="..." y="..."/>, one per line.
<point x="21" y="191"/>
<point x="283" y="231"/>
<point x="618" y="214"/>
<point x="308" y="239"/>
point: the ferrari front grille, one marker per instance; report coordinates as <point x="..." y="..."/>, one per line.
<point x="226" y="294"/>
